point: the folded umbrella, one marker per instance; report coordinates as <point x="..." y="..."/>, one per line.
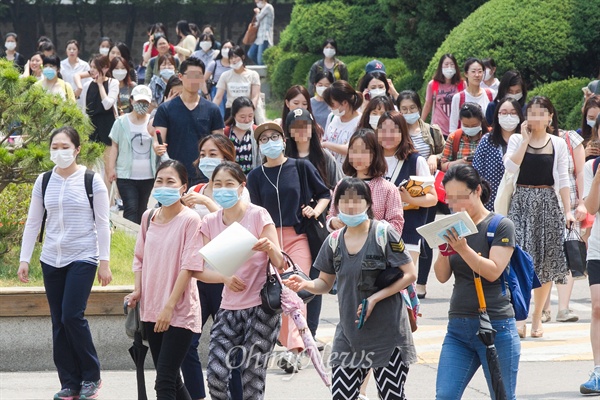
<point x="138" y="353"/>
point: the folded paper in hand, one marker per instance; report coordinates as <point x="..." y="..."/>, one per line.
<point x="228" y="251"/>
<point x="435" y="231"/>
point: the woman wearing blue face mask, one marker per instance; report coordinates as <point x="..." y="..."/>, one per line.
<point x="276" y="186"/>
<point x="242" y="334"/>
<point x="356" y="255"/>
<point x="167" y="68"/>
<point x="462" y="143"/>
<point x="52" y="81"/>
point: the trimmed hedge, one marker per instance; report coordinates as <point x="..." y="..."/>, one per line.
<point x="566" y="96"/>
<point x="546" y="40"/>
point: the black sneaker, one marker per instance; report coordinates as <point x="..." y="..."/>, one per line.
<point x="67" y="394"/>
<point x="90" y="389"/>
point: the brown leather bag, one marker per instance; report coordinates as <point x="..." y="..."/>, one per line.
<point x="251" y="33"/>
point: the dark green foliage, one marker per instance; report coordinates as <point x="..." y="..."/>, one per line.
<point x="546" y="40"/>
<point x="566" y="96"/>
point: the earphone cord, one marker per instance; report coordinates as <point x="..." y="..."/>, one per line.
<point x="276" y="186"/>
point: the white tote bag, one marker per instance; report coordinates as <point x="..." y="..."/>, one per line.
<point x="506" y="189"/>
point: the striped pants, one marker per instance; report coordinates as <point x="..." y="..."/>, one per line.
<point x="390" y="380"/>
<point x="244" y="339"/>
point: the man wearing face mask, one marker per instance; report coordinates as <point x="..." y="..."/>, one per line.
<point x="186" y="119"/>
<point x="265" y="18"/>
<point x="132" y="163"/>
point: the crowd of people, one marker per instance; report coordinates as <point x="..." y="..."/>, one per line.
<point x="185" y="127"/>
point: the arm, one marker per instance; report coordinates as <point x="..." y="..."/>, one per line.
<point x="147" y="54"/>
<point x="149" y="70"/>
<point x="579" y="159"/>
<point x="255" y="94"/>
<point x="109" y="99"/>
<point x="442" y="269"/>
<point x="428" y="103"/>
<point x="454" y="110"/>
<point x="32" y="227"/>
<point x="219" y="96"/>
<point x="338" y="148"/>
<point x="591" y="191"/>
<point x="394" y="214"/>
<point x="132" y="298"/>
<point x="562" y="163"/>
<point x="430" y="199"/>
<point x="321" y="285"/>
<point x="447" y="159"/>
<point x="112" y="161"/>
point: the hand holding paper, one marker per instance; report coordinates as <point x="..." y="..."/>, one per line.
<point x="434" y="232"/>
<point x="228" y="251"/>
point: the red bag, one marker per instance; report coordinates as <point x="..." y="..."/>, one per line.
<point x="439" y="187"/>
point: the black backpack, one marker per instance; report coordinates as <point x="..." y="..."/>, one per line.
<point x="89" y="189"/>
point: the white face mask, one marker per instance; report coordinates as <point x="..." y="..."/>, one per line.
<point x="516" y="96"/>
<point x="243" y="126"/>
<point x="62" y="158"/>
<point x="103" y="51"/>
<point x="471" y="130"/>
<point x="488" y="74"/>
<point x="320" y="90"/>
<point x="336" y="112"/>
<point x="448" y="72"/>
<point x="205" y="45"/>
<point x="328" y="52"/>
<point x="591" y="122"/>
<point x="260" y="4"/>
<point x="376" y="92"/>
<point x="225" y="53"/>
<point x="10" y="45"/>
<point x="237" y="65"/>
<point x="119" y="74"/>
<point x="373" y="120"/>
<point x="508" y="122"/>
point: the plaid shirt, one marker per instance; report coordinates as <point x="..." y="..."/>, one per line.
<point x="387" y="205"/>
<point x="574" y="141"/>
<point x="466" y="147"/>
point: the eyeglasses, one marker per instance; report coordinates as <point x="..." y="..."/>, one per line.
<point x="274" y="137"/>
<point x="505" y="113"/>
<point x="407" y="110"/>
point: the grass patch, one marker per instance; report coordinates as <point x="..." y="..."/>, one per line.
<point x="121" y="258"/>
<point x="273" y="110"/>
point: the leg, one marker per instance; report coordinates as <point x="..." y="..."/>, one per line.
<point x="78" y="285"/>
<point x="539" y="298"/>
<point x="564" y="296"/>
<point x="390" y="380"/>
<point x="426" y="256"/>
<point x="458" y="359"/>
<point x="365" y="384"/>
<point x="144" y="190"/>
<point x="106" y="157"/>
<point x="592" y="386"/>
<point x="66" y="366"/>
<point x="191" y="369"/>
<point x="345" y="382"/>
<point x="253" y="52"/>
<point x="130" y="196"/>
<point x="261" y="49"/>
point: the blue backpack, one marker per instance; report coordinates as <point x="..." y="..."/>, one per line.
<point x="520" y="277"/>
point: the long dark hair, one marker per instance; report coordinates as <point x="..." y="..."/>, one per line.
<point x="113" y="64"/>
<point x="511" y="78"/>
<point x="405" y="148"/>
<point x="316" y="154"/>
<point x="496" y="135"/>
<point x="341" y="91"/>
<point x="439" y="76"/>
<point x="468" y="175"/>
<point x="292" y="92"/>
<point x="383" y="101"/>
<point x="358" y="186"/>
<point x="586" y="130"/>
<point x="473" y="110"/>
<point x="378" y="165"/>
<point x="236" y="106"/>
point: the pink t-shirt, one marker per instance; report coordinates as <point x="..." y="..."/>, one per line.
<point x="253" y="272"/>
<point x="442" y="104"/>
<point x="161" y="253"/>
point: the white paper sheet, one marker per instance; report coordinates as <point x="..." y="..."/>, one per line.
<point x="434" y="231"/>
<point x="228" y="251"/>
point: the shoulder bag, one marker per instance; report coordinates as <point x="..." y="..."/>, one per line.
<point x="251" y="32"/>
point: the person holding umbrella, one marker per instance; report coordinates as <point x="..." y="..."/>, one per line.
<point x="467" y="258"/>
<point x="380" y="337"/>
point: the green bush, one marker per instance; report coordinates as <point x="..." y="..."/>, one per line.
<point x="574" y="118"/>
<point x="546" y="40"/>
<point x="356" y="26"/>
<point x="283" y="73"/>
<point x="564" y="95"/>
<point x="395" y="68"/>
<point x="13" y="213"/>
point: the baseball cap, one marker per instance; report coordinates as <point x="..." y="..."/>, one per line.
<point x="374" y="65"/>
<point x="142" y="92"/>
<point x="299" y="114"/>
<point x="267" y="126"/>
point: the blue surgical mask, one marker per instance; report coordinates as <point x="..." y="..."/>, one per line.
<point x="411" y="118"/>
<point x="473" y="131"/>
<point x="167" y="196"/>
<point x="272" y="149"/>
<point x="226" y="197"/>
<point x="207" y="166"/>
<point x="49" y="73"/>
<point x="166" y="73"/>
<point x="591" y="123"/>
<point x="353" y="219"/>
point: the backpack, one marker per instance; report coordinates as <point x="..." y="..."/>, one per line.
<point x="520" y="278"/>
<point x="88" y="179"/>
<point x="595" y="165"/>
<point x="409" y="295"/>
<point x="463" y="99"/>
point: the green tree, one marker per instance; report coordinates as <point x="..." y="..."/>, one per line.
<point x="31" y="113"/>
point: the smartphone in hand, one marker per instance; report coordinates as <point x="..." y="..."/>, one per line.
<point x="363" y="313"/>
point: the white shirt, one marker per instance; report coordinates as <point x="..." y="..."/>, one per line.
<point x="593" y="252"/>
<point x="141" y="146"/>
<point x="483" y="101"/>
<point x="72" y="233"/>
<point x="339" y="132"/>
<point x="111" y="96"/>
<point x="68" y="71"/>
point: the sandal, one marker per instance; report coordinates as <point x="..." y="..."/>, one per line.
<point x="522" y="331"/>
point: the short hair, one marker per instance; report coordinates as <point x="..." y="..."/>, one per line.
<point x="100" y="61"/>
<point x="374" y="104"/>
<point x="323" y="74"/>
<point x="178" y="167"/>
<point x="409" y="95"/>
<point x="191" y="62"/>
<point x="238" y="51"/>
<point x="489" y="62"/>
<point x="165" y="57"/>
<point x="12" y="35"/>
<point x="378" y="165"/>
<point x="367" y="78"/>
<point x="332" y="42"/>
<point x="46" y="46"/>
<point x="360" y="187"/>
<point x="51" y="60"/>
<point x="470" y="61"/>
<point x="473" y="110"/>
<point x="236" y="106"/>
<point x="71" y="133"/>
<point x="233" y="169"/>
<point x="468" y="175"/>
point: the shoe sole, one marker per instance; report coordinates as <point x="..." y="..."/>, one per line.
<point x="572" y="319"/>
<point x="584" y="390"/>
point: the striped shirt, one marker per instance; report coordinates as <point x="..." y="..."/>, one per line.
<point x="423" y="148"/>
<point x="71" y="232"/>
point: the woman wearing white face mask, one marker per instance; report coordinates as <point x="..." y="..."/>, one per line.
<point x="239" y="129"/>
<point x="105" y="45"/>
<point x="215" y="69"/>
<point x="77" y="240"/>
<point x="446" y="83"/>
<point x="492" y="147"/>
<point x="276" y="186"/>
<point x="329" y="63"/>
<point x="322" y="80"/>
<point x="11" y="53"/>
<point x="238" y="81"/>
<point x="489" y="78"/>
<point x="345" y="103"/>
<point x="167" y="67"/>
<point x="511" y="85"/>
<point x="207" y="53"/>
<point x="187" y="41"/>
<point x="375" y="84"/>
<point x="374" y="110"/>
<point x="119" y="69"/>
<point x="131" y="162"/>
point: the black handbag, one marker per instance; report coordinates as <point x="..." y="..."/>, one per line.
<point x="576" y="254"/>
<point x="270" y="294"/>
<point x="315" y="228"/>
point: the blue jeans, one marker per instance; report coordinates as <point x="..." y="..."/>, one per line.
<point x="256" y="51"/>
<point x="67" y="290"/>
<point x="213" y="93"/>
<point x="463" y="352"/>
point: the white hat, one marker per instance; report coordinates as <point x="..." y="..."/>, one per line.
<point x="142" y="92"/>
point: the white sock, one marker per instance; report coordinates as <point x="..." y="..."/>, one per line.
<point x="597" y="369"/>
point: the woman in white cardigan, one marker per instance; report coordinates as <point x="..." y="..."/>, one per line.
<point x="540" y="160"/>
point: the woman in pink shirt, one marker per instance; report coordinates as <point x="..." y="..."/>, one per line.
<point x="243" y="334"/>
<point x="166" y="257"/>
